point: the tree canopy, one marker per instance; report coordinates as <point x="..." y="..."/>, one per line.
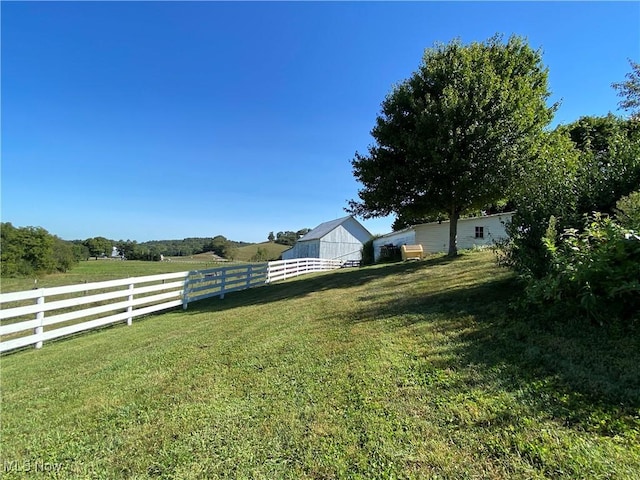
<point x="579" y="168"/>
<point x="629" y="90"/>
<point x="455" y="135"/>
<point x="34" y="251"/>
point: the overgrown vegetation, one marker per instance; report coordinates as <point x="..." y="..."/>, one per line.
<point x="367" y="252"/>
<point x="393" y="371"/>
<point x="570" y="264"/>
<point x="593" y="273"/>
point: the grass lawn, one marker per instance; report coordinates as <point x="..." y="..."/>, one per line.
<point x="103" y="270"/>
<point x="272" y="251"/>
<point x="413" y="370"/>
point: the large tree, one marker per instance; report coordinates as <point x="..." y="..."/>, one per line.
<point x="98" y="246"/>
<point x="629" y="90"/>
<point x="456" y="135"/>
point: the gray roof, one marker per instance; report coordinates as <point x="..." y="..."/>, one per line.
<point x="324" y="228"/>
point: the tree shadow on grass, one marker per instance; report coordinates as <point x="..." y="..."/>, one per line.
<point x="304" y="285"/>
<point x="582" y="375"/>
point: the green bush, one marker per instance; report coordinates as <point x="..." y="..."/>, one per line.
<point x="33" y="251"/>
<point x="578" y="169"/>
<point x="593" y="273"/>
<point x="628" y="211"/>
<point x="367" y="254"/>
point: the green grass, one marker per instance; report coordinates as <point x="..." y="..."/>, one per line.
<point x="273" y="251"/>
<point x="410" y="370"/>
<point x="102" y="270"/>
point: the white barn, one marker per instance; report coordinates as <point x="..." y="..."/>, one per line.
<point x="434" y="237"/>
<point x="339" y="239"/>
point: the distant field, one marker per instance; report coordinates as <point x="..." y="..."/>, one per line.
<point x="101" y="270"/>
<point x="399" y="371"/>
<point x="273" y="250"/>
<point x="107" y="269"/>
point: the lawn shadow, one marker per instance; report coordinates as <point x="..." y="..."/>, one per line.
<point x="304" y="285"/>
<point x="581" y="375"/>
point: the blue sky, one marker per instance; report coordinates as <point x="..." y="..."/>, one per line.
<point x="165" y="120"/>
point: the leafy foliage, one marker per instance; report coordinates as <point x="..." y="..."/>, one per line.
<point x="289" y="237"/>
<point x="34" y="251"/>
<point x="261" y="255"/>
<point x="367" y="251"/>
<point x="99" y="246"/>
<point x="629" y="90"/>
<point x="454" y="136"/>
<point x="192" y="246"/>
<point x="579" y="168"/>
<point x="595" y="272"/>
<point x="628" y="211"/>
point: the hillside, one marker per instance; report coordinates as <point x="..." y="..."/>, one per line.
<point x="413" y="370"/>
<point x="272" y="251"/>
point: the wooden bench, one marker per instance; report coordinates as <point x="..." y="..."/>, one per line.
<point x="411" y="252"/>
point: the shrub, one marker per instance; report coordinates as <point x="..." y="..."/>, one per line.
<point x="628" y="211"/>
<point x="367" y="254"/>
<point x="595" y="273"/>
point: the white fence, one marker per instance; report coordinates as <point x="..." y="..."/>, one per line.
<point x="104" y="303"/>
<point x="284" y="269"/>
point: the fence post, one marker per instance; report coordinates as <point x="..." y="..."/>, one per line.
<point x="223" y="282"/>
<point x="185" y="294"/>
<point x="249" y="271"/>
<point x="39" y="316"/>
<point x="130" y="307"/>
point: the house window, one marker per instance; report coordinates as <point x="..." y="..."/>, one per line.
<point x="479" y="232"/>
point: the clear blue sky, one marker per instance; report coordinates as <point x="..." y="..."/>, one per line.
<point x="165" y="120"/>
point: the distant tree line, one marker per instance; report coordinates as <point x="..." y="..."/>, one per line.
<point x="288" y="237"/>
<point x="218" y="245"/>
<point x="34" y="251"/>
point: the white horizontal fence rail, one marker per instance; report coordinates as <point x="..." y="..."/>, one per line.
<point x="33" y="316"/>
<point x="218" y="281"/>
<point x="283" y="269"/>
<point x="58" y="309"/>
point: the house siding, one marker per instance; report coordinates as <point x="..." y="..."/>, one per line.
<point x="434" y="237"/>
<point x="403" y="237"/>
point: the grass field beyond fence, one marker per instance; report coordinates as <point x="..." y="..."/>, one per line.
<point x="395" y="371"/>
<point x="103" y="270"/>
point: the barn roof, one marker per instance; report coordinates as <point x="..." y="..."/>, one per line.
<point x="324" y="228"/>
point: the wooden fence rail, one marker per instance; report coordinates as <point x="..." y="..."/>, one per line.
<point x="27" y="317"/>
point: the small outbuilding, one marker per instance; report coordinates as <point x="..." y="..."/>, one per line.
<point x="434" y="236"/>
<point x="340" y="239"/>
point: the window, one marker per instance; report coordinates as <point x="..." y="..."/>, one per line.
<point x="479" y="232"/>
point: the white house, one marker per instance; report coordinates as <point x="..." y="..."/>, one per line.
<point x="339" y="239"/>
<point x="434" y="237"/>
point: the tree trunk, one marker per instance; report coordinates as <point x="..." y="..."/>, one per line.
<point x="453" y="233"/>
